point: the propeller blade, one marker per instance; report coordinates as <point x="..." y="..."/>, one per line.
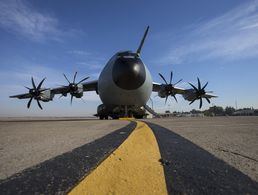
<point x="40" y="83"/>
<point x="192" y="101"/>
<point x="71" y="102"/>
<point x="178" y="82"/>
<point x="83" y="80"/>
<point x="199" y="84"/>
<point x="74" y="77"/>
<point x="175" y="97"/>
<point x="171" y="76"/>
<point x="27" y="88"/>
<point x="208" y="100"/>
<point x="39" y="105"/>
<point x="200" y="93"/>
<point x="163" y="78"/>
<point x="193" y="86"/>
<point x="200" y="103"/>
<point x="33" y="83"/>
<point x="166" y="99"/>
<point x="29" y="102"/>
<point x="66" y="78"/>
<point x="205" y="86"/>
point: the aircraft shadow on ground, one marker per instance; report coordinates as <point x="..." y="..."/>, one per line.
<point x="59" y="174"/>
<point x="189" y="169"/>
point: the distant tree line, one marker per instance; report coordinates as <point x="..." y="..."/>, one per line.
<point x="220" y="111"/>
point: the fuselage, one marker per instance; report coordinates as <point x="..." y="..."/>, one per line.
<point x="125" y="80"/>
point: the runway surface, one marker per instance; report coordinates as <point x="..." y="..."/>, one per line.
<point x="25" y="143"/>
<point x="232" y="139"/>
<point x="198" y="155"/>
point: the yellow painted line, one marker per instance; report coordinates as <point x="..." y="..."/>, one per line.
<point x="128" y="119"/>
<point x="133" y="168"/>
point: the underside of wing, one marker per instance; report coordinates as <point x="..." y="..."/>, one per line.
<point x="208" y="95"/>
<point x="22" y="96"/>
<point x="87" y="86"/>
<point x="192" y="94"/>
<point x="157" y="87"/>
<point x="47" y="94"/>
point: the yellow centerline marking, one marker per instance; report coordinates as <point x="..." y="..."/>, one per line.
<point x="133" y="168"/>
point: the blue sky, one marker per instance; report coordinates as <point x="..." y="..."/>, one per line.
<point x="215" y="40"/>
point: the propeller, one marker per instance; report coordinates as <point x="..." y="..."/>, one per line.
<point x="73" y="86"/>
<point x="169" y="86"/>
<point x="200" y="92"/>
<point x="35" y="92"/>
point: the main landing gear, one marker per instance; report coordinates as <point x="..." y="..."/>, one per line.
<point x="103" y="117"/>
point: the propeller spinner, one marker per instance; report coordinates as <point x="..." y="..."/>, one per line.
<point x="73" y="86"/>
<point x="200" y="92"/>
<point x="169" y="87"/>
<point x="35" y="92"/>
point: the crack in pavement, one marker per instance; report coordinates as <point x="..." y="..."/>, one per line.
<point x="238" y="154"/>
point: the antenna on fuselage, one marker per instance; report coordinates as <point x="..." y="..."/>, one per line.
<point x="142" y="42"/>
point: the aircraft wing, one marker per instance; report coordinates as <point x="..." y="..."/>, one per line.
<point x="191" y="94"/>
<point x="22" y="96"/>
<point x="48" y="94"/>
<point x="87" y="86"/>
<point x="157" y="87"/>
<point x="208" y="95"/>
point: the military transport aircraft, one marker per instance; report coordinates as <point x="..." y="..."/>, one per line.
<point x="124" y="86"/>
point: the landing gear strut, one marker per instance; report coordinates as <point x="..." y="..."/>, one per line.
<point x="126" y="111"/>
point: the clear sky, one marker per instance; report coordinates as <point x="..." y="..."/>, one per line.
<point x="215" y="40"/>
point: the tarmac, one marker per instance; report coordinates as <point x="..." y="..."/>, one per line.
<point x="232" y="139"/>
<point x="217" y="155"/>
<point x="25" y="143"/>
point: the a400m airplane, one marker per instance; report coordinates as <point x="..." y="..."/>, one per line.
<point x="124" y="86"/>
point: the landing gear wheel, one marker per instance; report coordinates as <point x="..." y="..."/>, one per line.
<point x="101" y="117"/>
<point x="106" y="117"/>
<point x="115" y="117"/>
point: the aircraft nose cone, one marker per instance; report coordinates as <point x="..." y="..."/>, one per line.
<point x="128" y="73"/>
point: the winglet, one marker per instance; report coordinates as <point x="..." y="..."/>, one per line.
<point x="142" y="42"/>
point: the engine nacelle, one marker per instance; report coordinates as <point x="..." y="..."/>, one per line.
<point x="46" y="95"/>
<point x="79" y="92"/>
<point x="166" y="90"/>
<point x="162" y="92"/>
<point x="189" y="95"/>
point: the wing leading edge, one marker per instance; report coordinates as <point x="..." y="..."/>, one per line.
<point x="191" y="94"/>
<point x="87" y="86"/>
<point x="47" y="94"/>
